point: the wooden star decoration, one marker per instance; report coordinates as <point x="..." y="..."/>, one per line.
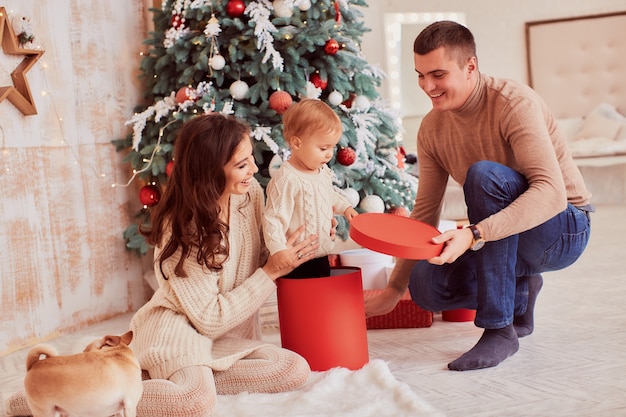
<point x="18" y="93"/>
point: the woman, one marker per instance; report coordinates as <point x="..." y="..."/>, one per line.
<point x="199" y="334"/>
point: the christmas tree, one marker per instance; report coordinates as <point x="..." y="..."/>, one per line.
<point x="253" y="59"/>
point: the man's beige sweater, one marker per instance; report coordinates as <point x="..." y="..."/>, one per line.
<point x="505" y="122"/>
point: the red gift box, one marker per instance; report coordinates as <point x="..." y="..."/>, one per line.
<point x="406" y="314"/>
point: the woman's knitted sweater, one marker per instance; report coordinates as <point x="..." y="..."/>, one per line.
<point x="208" y="318"/>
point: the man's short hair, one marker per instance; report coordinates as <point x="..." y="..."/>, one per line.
<point x="454" y="37"/>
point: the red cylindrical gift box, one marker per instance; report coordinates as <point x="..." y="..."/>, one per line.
<point x="460" y="314"/>
<point x="323" y="319"/>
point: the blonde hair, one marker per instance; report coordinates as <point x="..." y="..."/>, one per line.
<point x="307" y="117"/>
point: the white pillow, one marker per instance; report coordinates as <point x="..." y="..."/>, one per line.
<point x="570" y="126"/>
<point x="608" y="110"/>
<point x="621" y="135"/>
<point x="597" y="147"/>
<point x="597" y="125"/>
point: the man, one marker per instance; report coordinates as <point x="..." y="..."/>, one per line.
<point x="527" y="203"/>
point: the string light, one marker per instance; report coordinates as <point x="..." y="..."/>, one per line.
<point x="5" y="155"/>
<point x="45" y="92"/>
<point x="63" y="141"/>
<point x="148" y="162"/>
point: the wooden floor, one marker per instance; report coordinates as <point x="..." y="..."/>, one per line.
<point x="574" y="364"/>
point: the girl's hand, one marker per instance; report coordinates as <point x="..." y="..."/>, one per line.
<point x="285" y="261"/>
<point x="350" y="213"/>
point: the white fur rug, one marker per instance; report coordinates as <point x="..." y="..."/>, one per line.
<point x="370" y="391"/>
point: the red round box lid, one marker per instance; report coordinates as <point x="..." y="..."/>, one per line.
<point x="395" y="235"/>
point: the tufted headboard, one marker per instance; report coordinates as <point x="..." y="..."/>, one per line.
<point x="576" y="63"/>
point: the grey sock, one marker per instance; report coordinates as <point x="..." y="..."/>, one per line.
<point x="525" y="323"/>
<point x="494" y="346"/>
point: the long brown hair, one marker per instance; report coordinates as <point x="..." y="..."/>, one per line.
<point x="190" y="207"/>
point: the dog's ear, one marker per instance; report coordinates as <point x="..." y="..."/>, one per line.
<point x="111" y="341"/>
<point x="106" y="341"/>
<point x="127" y="337"/>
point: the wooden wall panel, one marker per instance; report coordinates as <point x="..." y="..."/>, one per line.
<point x="64" y="265"/>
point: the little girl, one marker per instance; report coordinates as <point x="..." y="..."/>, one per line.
<point x="301" y="191"/>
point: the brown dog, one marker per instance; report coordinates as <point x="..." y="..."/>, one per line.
<point x="102" y="381"/>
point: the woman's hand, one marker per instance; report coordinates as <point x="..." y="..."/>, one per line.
<point x="285" y="261"/>
<point x="333" y="228"/>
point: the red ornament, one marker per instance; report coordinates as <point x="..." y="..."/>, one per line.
<point x="348" y="102"/>
<point x="177" y="20"/>
<point x="280" y="101"/>
<point x="149" y="195"/>
<point x="346" y="156"/>
<point x="235" y="8"/>
<point x="184" y="94"/>
<point x="331" y="47"/>
<point x="399" y="211"/>
<point x="337" y="13"/>
<point x="169" y="167"/>
<point x="317" y="81"/>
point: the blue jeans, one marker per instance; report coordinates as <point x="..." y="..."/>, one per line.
<point x="494" y="279"/>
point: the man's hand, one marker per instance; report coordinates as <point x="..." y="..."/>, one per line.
<point x="382" y="303"/>
<point x="456" y="243"/>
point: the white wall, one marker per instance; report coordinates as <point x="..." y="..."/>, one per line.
<point x="498" y="27"/>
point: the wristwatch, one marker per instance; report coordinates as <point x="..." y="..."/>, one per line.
<point x="478" y="241"/>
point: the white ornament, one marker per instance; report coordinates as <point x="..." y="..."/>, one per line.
<point x="239" y="89"/>
<point x="352" y="196"/>
<point x="22" y="26"/>
<point x="217" y="62"/>
<point x="275" y="163"/>
<point x="335" y="98"/>
<point x="283" y="8"/>
<point x="304" y="5"/>
<point x="212" y="28"/>
<point x="312" y="91"/>
<point x="361" y="103"/>
<point x="372" y="204"/>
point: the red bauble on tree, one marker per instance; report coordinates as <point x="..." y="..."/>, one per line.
<point x="169" y="167"/>
<point x="318" y="81"/>
<point x="331" y="47"/>
<point x="280" y="101"/>
<point x="235" y="8"/>
<point x="149" y="195"/>
<point x="177" y="20"/>
<point x="337" y="13"/>
<point x="348" y="102"/>
<point x="184" y="94"/>
<point x="346" y="156"/>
